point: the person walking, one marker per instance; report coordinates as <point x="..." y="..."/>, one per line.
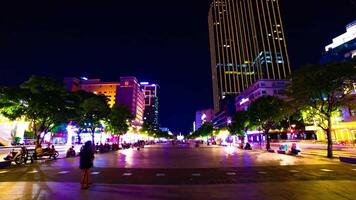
<point x="86" y="162"/>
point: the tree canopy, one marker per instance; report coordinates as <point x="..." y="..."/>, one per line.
<point x="266" y="113"/>
<point x="40" y="100"/>
<point x="320" y="91"/>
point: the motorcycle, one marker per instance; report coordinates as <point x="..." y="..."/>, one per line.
<point x="50" y="152"/>
<point x="19" y="157"/>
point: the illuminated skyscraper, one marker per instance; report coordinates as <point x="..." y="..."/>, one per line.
<point x="151" y="114"/>
<point x="247" y="43"/>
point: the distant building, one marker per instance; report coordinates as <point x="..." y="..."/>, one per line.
<point x="131" y="95"/>
<point x="95" y="86"/>
<point x="126" y="92"/>
<point x="261" y="88"/>
<point x="223" y="118"/>
<point x="151" y="114"/>
<point x="203" y="116"/>
<point x="343" y="47"/>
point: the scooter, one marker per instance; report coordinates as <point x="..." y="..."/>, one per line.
<point x="19" y="157"/>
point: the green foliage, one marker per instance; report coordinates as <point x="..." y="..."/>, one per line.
<point x="240" y="123"/>
<point x="90" y="111"/>
<point x="17" y="140"/>
<point x="204" y="131"/>
<point x="320" y="91"/>
<point x="40" y="100"/>
<point x="266" y="112"/>
<point x="119" y="120"/>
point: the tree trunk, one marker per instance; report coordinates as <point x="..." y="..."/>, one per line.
<point x="330" y="139"/>
<point x="38" y="143"/>
<point x="93" y="136"/>
<point x="79" y="138"/>
<point x="268" y="144"/>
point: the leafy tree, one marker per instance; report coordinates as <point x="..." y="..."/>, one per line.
<point x="40" y="100"/>
<point x="91" y="112"/>
<point x="240" y="124"/>
<point x="321" y="91"/>
<point x="119" y="119"/>
<point x="205" y="130"/>
<point x="266" y="112"/>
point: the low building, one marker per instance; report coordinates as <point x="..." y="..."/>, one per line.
<point x="261" y="88"/>
<point x="223" y="118"/>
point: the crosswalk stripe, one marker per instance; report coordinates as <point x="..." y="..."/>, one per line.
<point x="293" y="171"/>
<point x="326" y="170"/>
<point x="353" y="169"/>
<point x="95" y="173"/>
<point x="160" y="174"/>
<point x="63" y="172"/>
<point x="262" y="172"/>
<point x="127" y="174"/>
<point x="3" y="172"/>
<point x="231" y="173"/>
<point x="32" y="172"/>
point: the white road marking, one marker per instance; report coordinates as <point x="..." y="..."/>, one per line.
<point x="231" y="173"/>
<point x="32" y="172"/>
<point x="326" y="170"/>
<point x="3" y="172"/>
<point x="127" y="174"/>
<point x="63" y="172"/>
<point x="160" y="174"/>
<point x="262" y="172"/>
<point x="293" y="171"/>
<point x="196" y="174"/>
<point x="95" y="173"/>
<point x="353" y="169"/>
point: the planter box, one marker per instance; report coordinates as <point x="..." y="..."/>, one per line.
<point x="4" y="164"/>
<point x="348" y="160"/>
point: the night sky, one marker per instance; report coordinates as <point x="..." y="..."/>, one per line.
<point x="162" y="41"/>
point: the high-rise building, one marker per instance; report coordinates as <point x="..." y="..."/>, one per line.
<point x="151" y="114"/>
<point x="343" y="47"/>
<point x="131" y="95"/>
<point x="247" y="43"/>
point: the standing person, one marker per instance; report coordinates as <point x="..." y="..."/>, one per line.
<point x="86" y="162"/>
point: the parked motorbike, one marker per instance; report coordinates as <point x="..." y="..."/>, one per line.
<point x="50" y="152"/>
<point x="19" y="157"/>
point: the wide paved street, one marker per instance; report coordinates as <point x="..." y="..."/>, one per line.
<point x="184" y="172"/>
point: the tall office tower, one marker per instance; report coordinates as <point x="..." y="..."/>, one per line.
<point x="151" y="114"/>
<point x="247" y="43"/>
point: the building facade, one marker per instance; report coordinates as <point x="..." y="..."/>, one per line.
<point x="277" y="88"/>
<point x="151" y="114"/>
<point x="247" y="43"/>
<point x="203" y="116"/>
<point x="343" y="47"/>
<point x="131" y="95"/>
<point x="127" y="92"/>
<point x="96" y="86"/>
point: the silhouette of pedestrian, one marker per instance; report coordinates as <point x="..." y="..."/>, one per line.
<point x="86" y="162"/>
